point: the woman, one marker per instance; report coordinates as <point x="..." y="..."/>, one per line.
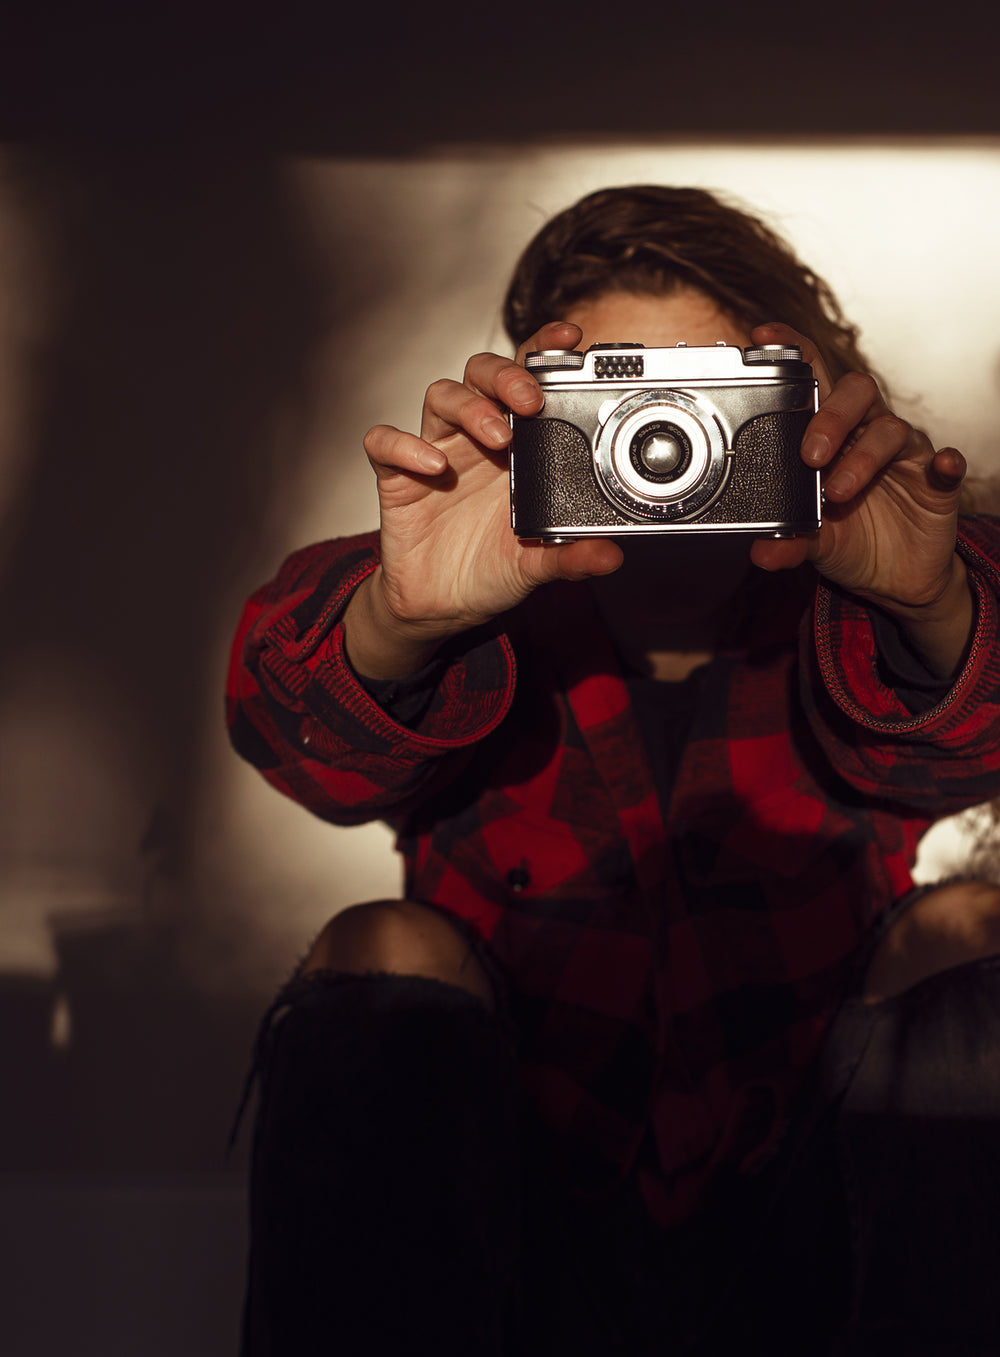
<point x="655" y="817"/>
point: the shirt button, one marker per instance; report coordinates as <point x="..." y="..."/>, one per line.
<point x="518" y="878"/>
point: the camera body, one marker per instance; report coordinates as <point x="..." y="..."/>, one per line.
<point x="665" y="440"/>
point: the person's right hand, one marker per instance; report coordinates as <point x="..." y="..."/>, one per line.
<point x="449" y="559"/>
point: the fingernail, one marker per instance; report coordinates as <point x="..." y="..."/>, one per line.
<point x="841" y="483"/>
<point x="815" y="448"/>
<point x="526" y="392"/>
<point x="497" y="429"/>
<point x="432" y="462"/>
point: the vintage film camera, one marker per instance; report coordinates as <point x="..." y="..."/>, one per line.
<point x="637" y="440"/>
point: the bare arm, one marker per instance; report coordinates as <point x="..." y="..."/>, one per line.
<point x="449" y="559"/>
<point x="891" y="517"/>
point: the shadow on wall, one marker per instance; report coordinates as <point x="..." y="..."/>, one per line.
<point x="167" y="417"/>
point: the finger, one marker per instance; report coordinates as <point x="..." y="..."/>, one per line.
<point x="948" y="469"/>
<point x="773" y="332"/>
<point x="556" y="334"/>
<point x="503" y="381"/>
<point x="770" y="554"/>
<point x="451" y="407"/>
<point x="392" y="451"/>
<point x="572" y="560"/>
<point x="855" y="402"/>
<point x="506" y="379"/>
<point x="886" y="439"/>
<point x="496" y="381"/>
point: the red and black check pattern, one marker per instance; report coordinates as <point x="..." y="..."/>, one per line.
<point x="672" y="976"/>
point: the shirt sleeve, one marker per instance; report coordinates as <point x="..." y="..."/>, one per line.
<point x="297" y="712"/>
<point x="902" y="669"/>
<point x="934" y="761"/>
<point x="406" y="700"/>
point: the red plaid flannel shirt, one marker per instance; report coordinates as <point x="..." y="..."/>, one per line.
<point x="671" y="981"/>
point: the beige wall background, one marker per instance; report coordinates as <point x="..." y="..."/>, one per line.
<point x="231" y="238"/>
<point x="192" y="346"/>
<point x="903" y="232"/>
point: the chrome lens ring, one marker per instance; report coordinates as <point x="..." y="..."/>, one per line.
<point x="697" y="484"/>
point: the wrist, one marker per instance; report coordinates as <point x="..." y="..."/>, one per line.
<point x="380" y="645"/>
<point x="939" y="629"/>
<point x="938" y="606"/>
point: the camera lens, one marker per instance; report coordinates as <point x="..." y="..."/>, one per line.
<point x="660" y="452"/>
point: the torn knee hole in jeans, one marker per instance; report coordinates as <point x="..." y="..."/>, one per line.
<point x="947" y="925"/>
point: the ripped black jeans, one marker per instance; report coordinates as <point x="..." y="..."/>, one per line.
<point x="402" y="1199"/>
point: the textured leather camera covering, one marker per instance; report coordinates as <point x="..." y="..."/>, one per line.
<point x="769" y="483"/>
<point x="555" y="486"/>
<point x="554" y="479"/>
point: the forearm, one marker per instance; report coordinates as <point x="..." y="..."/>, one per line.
<point x="297" y="712"/>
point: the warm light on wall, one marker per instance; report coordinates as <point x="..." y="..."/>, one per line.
<point x="411" y="259"/>
<point x="903" y="232"/>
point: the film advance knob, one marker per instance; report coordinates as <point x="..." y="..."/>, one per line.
<point x="773" y="353"/>
<point x="551" y="360"/>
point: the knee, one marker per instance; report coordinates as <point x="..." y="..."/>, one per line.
<point x="949" y="925"/>
<point x="399" y="937"/>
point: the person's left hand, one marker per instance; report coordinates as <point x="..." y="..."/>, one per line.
<point x="891" y="510"/>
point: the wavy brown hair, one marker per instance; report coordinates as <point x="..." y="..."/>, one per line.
<point x="649" y="239"/>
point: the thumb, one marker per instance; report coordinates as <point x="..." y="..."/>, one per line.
<point x="576" y="560"/>
<point x="772" y="555"/>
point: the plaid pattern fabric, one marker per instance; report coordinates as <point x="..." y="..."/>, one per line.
<point x="671" y="979"/>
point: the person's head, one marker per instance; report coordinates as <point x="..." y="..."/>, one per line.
<point x="648" y="240"/>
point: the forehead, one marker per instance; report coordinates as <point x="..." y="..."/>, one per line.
<point x="684" y="316"/>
